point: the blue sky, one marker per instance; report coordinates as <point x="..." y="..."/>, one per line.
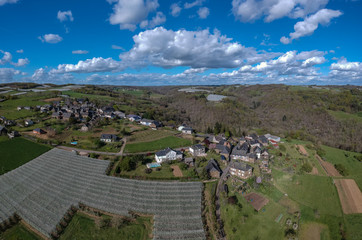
<point x="162" y="42"/>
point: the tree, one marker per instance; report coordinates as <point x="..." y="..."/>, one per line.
<point x="306" y="167"/>
<point x="127" y="164"/>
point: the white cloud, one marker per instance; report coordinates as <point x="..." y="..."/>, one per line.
<point x="117" y="47"/>
<point x="159" y="19"/>
<point x="128" y="14"/>
<point x="344" y="65"/>
<point x="3" y="2"/>
<point x="20" y="51"/>
<point x="7" y="74"/>
<point x="80" y="52"/>
<point x="193" y="4"/>
<point x="203" y="12"/>
<point x="7" y="59"/>
<point x="251" y="10"/>
<point x="90" y="65"/>
<point x="175" y="9"/>
<point x="50" y="38"/>
<point x="196" y="49"/>
<point x="310" y="24"/>
<point x="65" y="16"/>
<point x="194" y="70"/>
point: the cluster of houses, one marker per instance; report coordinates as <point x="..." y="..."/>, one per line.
<point x="237" y="154"/>
<point x="10" y="134"/>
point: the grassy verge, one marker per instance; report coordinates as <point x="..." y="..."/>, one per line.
<point x="18" y="151"/>
<point x="171" y="141"/>
<point x="209" y="211"/>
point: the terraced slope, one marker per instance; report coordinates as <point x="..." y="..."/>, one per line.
<point x="42" y="190"/>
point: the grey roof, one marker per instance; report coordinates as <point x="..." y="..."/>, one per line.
<point x="212" y="165"/>
<point x="263" y="139"/>
<point x="108" y="136"/>
<point x="197" y="147"/>
<point x="254" y="136"/>
<point x="165" y="151"/>
<point x="2" y="127"/>
<point x="240" y="166"/>
<point x="187" y="129"/>
<point x="239" y="151"/>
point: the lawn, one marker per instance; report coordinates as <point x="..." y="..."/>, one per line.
<point x="316" y="192"/>
<point x="18" y="151"/>
<point x="347" y="159"/>
<point x="84" y="227"/>
<point x="18" y="232"/>
<point x="171" y="141"/>
<point x="148" y="135"/>
<point x="89" y="96"/>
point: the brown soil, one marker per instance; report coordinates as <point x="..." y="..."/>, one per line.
<point x="52" y="99"/>
<point x="328" y="167"/>
<point x="41" y="136"/>
<point x="314" y="171"/>
<point x="349" y="195"/>
<point x="302" y="150"/>
<point x="177" y="171"/>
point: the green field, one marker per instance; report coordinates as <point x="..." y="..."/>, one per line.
<point x="171" y="141"/>
<point x="84" y="227"/>
<point x="316" y="192"/>
<point x="148" y="135"/>
<point x="89" y="96"/>
<point x="18" y="232"/>
<point x="18" y="151"/>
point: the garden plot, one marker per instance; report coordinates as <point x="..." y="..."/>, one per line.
<point x="41" y="191"/>
<point x="349" y="195"/>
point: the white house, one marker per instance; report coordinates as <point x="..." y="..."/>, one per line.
<point x="272" y="138"/>
<point x="167" y="155"/>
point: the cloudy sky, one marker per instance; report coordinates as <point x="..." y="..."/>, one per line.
<point x="163" y="42"/>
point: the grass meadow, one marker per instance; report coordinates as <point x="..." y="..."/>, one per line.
<point x="170" y="141"/>
<point x="18" y="151"/>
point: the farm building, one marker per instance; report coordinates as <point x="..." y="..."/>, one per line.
<point x="256" y="200"/>
<point x="134" y="118"/>
<point x="241" y="170"/>
<point x="108" y="138"/>
<point x="197" y="150"/>
<point x="167" y="155"/>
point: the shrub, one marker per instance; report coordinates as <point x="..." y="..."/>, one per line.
<point x="127" y="164"/>
<point x="233" y="200"/>
<point x="183" y="166"/>
<point x="341" y="169"/>
<point x="282" y="147"/>
<point x="148" y="170"/>
<point x="306" y="167"/>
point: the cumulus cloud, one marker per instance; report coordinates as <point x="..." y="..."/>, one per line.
<point x="128" y="14"/>
<point x="159" y="19"/>
<point x="193" y="4"/>
<point x="251" y="10"/>
<point x="20" y="51"/>
<point x="65" y="16"/>
<point x="3" y="2"/>
<point x="310" y="24"/>
<point x="7" y="59"/>
<point x="80" y="52"/>
<point x="344" y="65"/>
<point x="194" y="70"/>
<point x="98" y="64"/>
<point x="196" y="49"/>
<point x="50" y="38"/>
<point x="203" y="12"/>
<point x="175" y="9"/>
<point x="7" y="74"/>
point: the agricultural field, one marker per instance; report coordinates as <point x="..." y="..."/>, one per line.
<point x="44" y="189"/>
<point x="343" y="116"/>
<point x="89" y="96"/>
<point x="170" y="141"/>
<point x="83" y="226"/>
<point x="148" y="135"/>
<point x="18" y="151"/>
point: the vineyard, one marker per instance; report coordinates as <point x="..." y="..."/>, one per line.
<point x="44" y="189"/>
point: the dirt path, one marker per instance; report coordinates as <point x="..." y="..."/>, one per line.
<point x="328" y="167"/>
<point x="302" y="150"/>
<point x="177" y="171"/>
<point x="314" y="171"/>
<point x="349" y="195"/>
